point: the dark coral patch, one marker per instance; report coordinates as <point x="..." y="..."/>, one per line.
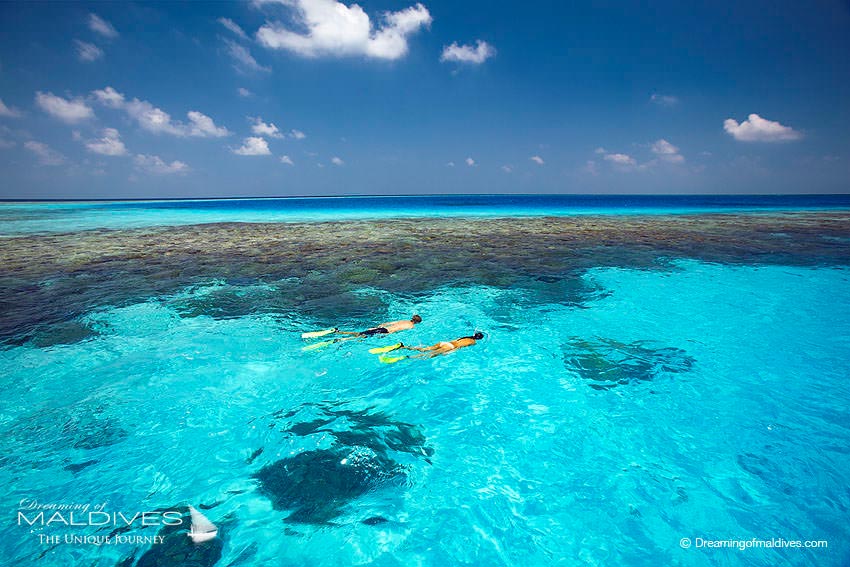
<point x="67" y="333"/>
<point x="369" y="452"/>
<point x="85" y="426"/>
<point x="606" y="363"/>
<point x="315" y="485"/>
<point x="317" y="268"/>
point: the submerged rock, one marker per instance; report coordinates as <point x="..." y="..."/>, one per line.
<point x="570" y="289"/>
<point x="67" y="333"/>
<point x="89" y="431"/>
<point x="315" y="485"/>
<point x="767" y="469"/>
<point x="229" y="301"/>
<point x="77" y="467"/>
<point x="369" y="452"/>
<point x="321" y="299"/>
<point x="608" y="363"/>
<point x="84" y="426"/>
<point x="365" y="427"/>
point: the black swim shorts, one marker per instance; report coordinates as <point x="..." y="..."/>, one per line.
<point x="375" y="331"/>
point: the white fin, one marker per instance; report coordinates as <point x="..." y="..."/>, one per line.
<point x="202" y="529"/>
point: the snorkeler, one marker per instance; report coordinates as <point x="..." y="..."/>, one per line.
<point x="382" y="329"/>
<point x="443" y="347"/>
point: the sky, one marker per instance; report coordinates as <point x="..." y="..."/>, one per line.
<point x="115" y="100"/>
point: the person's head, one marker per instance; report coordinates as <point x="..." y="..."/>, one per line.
<point x="416" y="319"/>
<point x="478" y="335"/>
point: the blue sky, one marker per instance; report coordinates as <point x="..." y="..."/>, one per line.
<point x="317" y="97"/>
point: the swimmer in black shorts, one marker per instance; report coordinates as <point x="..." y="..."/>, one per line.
<point x="384" y="328"/>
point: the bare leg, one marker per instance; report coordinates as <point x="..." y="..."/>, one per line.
<point x="430" y="352"/>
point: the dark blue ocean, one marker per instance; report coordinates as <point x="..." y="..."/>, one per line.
<point x="67" y="216"/>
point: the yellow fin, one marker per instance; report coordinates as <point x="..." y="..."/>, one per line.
<point x="383" y="349"/>
<point x="319" y="345"/>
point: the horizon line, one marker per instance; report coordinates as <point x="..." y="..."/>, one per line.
<point x="413" y="195"/>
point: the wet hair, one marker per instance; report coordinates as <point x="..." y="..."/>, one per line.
<point x="478" y="335"/>
<point x="416" y="319"/>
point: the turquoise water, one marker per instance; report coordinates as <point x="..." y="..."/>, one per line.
<point x="645" y="381"/>
<point x="705" y="400"/>
<point x="29" y="218"/>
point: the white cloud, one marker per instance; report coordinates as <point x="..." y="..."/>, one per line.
<point x="260" y="128"/>
<point x="46" y="155"/>
<point x="109" y="145"/>
<point x="667" y="151"/>
<point x="202" y="126"/>
<point x="336" y="161"/>
<point x="620" y="159"/>
<point x="155" y="165"/>
<point x="243" y="59"/>
<point x="470" y="162"/>
<point x="6" y="144"/>
<point x="757" y="129"/>
<point x="253" y="147"/>
<point x="537" y="159"/>
<point x="233" y="26"/>
<point x="664" y="100"/>
<point x="109" y="97"/>
<point x="467" y="53"/>
<point x="664" y="148"/>
<point x="8" y="111"/>
<point x="297" y="134"/>
<point x="158" y="121"/>
<point x="450" y="164"/>
<point x="243" y="92"/>
<point x="101" y="26"/>
<point x="87" y="51"/>
<point x="334" y="29"/>
<point x="507" y="168"/>
<point x="151" y="118"/>
<point x="287" y="160"/>
<point x="70" y="111"/>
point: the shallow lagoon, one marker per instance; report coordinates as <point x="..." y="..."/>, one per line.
<point x="643" y="379"/>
